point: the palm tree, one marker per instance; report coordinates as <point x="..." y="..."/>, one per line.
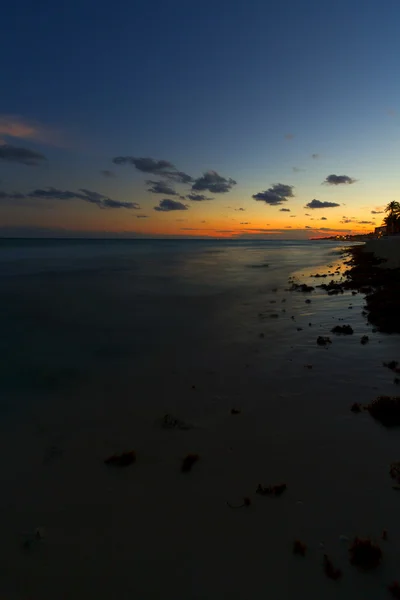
<point x="392" y="219"/>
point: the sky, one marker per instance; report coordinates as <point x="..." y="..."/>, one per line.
<point x="224" y="119"/>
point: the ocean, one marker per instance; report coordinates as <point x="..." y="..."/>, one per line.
<point x="75" y="311"/>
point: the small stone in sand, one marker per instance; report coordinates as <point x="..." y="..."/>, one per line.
<point x="299" y="329"/>
<point x="330" y="570"/>
<point x="261" y="335"/>
<point x="235" y="411"/>
<point x="188" y="462"/>
<point x="271" y="490"/>
<point x="323" y="340"/>
<point x="364" y="340"/>
<point x="308" y="301"/>
<point x="356" y="407"/>
<point x="343" y="329"/>
<point x="365" y="553"/>
<point x="121" y="460"/>
<point x="299" y="548"/>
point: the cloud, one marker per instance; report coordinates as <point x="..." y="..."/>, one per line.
<point x="324" y="219"/>
<point x="107" y="173"/>
<point x="289" y="136"/>
<point x="198" y="197"/>
<point x="83" y="194"/>
<point x="315" y="156"/>
<point x="160" y="187"/>
<point x="177" y="176"/>
<point x="168" y="205"/>
<point x="307" y="215"/>
<point x="293" y="216"/>
<point x="240" y="209"/>
<point x="163" y="168"/>
<point x="284" y="210"/>
<point x="214" y="183"/>
<point x="365" y="222"/>
<point x="308" y="227"/>
<point x="15" y="126"/>
<point x="339" y="179"/>
<point x="288" y="227"/>
<point x="275" y="195"/>
<point x="377" y="212"/>
<point x="318" y="204"/>
<point x="23" y="156"/>
<point x="245" y="223"/>
<point x="142" y="217"/>
<point x="11" y="196"/>
<point x="297" y="169"/>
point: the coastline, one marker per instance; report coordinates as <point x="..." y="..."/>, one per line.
<point x="152" y="531"/>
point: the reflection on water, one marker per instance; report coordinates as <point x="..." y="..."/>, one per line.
<point x="73" y="311"/>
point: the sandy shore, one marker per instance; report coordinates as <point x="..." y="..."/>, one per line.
<point x="150" y="531"/>
<point x="387" y="248"/>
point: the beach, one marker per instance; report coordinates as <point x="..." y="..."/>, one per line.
<point x="100" y="342"/>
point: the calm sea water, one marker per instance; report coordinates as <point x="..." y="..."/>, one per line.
<point x="76" y="311"/>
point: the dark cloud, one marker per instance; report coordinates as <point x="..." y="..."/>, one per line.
<point x="142" y="217"/>
<point x="319" y="204"/>
<point x="163" y="168"/>
<point x="168" y="205"/>
<point x="275" y="195"/>
<point x="23" y="156"/>
<point x="160" y="187"/>
<point x="240" y="209"/>
<point x="284" y="209"/>
<point x="293" y="216"/>
<point x="346" y="220"/>
<point x="315" y="156"/>
<point x="177" y="176"/>
<point x="288" y="227"/>
<point x="198" y="197"/>
<point x="324" y="219"/>
<point x="11" y="196"/>
<point x="365" y="222"/>
<point x="245" y="223"/>
<point x="377" y="212"/>
<point x="147" y="165"/>
<point x="214" y="183"/>
<point x="307" y="215"/>
<point x="308" y="227"/>
<point x="297" y="169"/>
<point x="338" y="179"/>
<point x="289" y="136"/>
<point x="83" y="194"/>
<point x="107" y="173"/>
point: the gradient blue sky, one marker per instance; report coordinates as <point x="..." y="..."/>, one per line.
<point x="250" y="90"/>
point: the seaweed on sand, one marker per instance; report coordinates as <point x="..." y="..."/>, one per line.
<point x="188" y="462"/>
<point x="121" y="460"/>
<point x="365" y="553"/>
<point x="386" y="410"/>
